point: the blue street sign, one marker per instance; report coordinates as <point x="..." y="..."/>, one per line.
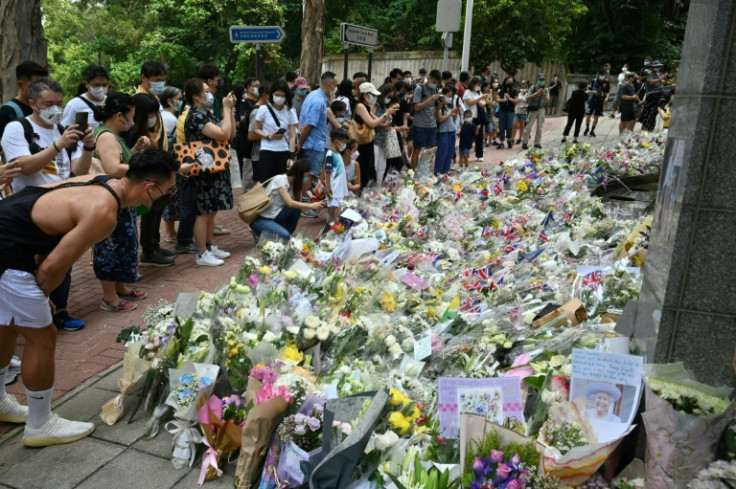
<point x="256" y="34"/>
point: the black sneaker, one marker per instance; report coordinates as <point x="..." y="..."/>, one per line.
<point x="524" y="146"/>
<point x="564" y="139"/>
<point x="500" y="145"/>
<point x="538" y="146"/>
<point x="592" y="133"/>
<point x="518" y="141"/>
<point x="190" y="249"/>
<point x="156" y="259"/>
<point x="586" y="131"/>
<point x="165" y="252"/>
<point x="510" y="143"/>
<point x="63" y="320"/>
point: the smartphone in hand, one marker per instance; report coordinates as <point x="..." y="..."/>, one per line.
<point x="281" y="131"/>
<point x="81" y="120"/>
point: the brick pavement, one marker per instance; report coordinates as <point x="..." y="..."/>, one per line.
<point x="84" y="354"/>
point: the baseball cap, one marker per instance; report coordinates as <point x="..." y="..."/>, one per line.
<point x="656" y="63"/>
<point x="301" y="82"/>
<point x="368" y="87"/>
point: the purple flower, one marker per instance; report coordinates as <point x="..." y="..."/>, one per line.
<point x="516" y="459"/>
<point x="313" y="423"/>
<point x="496" y="456"/>
<point x="253" y="280"/>
<point x="299" y="418"/>
<point x="503" y="471"/>
<point x="300" y="429"/>
<point x="477" y="465"/>
<point x="514" y="484"/>
<point x="319" y="408"/>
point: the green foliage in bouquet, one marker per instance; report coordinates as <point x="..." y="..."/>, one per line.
<point x="492" y="441"/>
<point x="565" y="436"/>
<point x="427" y="479"/>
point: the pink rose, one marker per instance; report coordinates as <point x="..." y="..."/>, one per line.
<point x="560" y="384"/>
<point x="514" y="484"/>
<point x="516" y="459"/>
<point x="496" y="456"/>
<point x="503" y="471"/>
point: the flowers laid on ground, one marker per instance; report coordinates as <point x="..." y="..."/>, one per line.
<point x="440" y="277"/>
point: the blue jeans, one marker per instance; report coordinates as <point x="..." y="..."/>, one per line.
<point x="316" y="159"/>
<point x="283" y="225"/>
<point x="505" y="124"/>
<point x="445" y="149"/>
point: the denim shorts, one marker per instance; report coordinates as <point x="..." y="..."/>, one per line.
<point x="464" y="151"/>
<point x="521" y="117"/>
<point x="316" y="160"/>
<point x="424" y="137"/>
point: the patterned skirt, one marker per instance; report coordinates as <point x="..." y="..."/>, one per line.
<point x="116" y="257"/>
<point x="213" y="192"/>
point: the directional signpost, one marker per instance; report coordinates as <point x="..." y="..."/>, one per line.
<point x="257" y="35"/>
<point x="360" y="36"/>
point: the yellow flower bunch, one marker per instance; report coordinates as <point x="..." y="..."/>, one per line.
<point x="265" y="270"/>
<point x="522" y="186"/>
<point x="291" y="354"/>
<point x="398" y="398"/>
<point x="400" y="423"/>
<point x="388" y="302"/>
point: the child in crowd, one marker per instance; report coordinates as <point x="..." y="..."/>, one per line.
<point x="335" y="119"/>
<point x="352" y="168"/>
<point x="335" y="178"/>
<point x="467" y="137"/>
<point x="665" y="112"/>
<point x="521" y="115"/>
<point x="446" y="130"/>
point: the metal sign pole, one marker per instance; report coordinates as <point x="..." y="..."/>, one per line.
<point x="258" y="61"/>
<point x="345" y="65"/>
<point x="446" y="51"/>
<point x="370" y="62"/>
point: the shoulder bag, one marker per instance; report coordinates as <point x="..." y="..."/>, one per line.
<point x="211" y="156"/>
<point x="253" y="202"/>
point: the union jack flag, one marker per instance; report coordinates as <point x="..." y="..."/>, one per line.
<point x="514" y="313"/>
<point x="592" y="280"/>
<point x="483" y="273"/>
<point x="509" y="248"/>
<point x="469" y="304"/>
<point x="458" y="195"/>
<point x="394" y="217"/>
<point x="498" y="189"/>
<point x="422" y="233"/>
<point x="542" y="286"/>
<point x="543" y="236"/>
<point x="433" y="258"/>
<point x="483" y="193"/>
<point x="484" y="173"/>
<point x="477" y="285"/>
<point x="548" y="219"/>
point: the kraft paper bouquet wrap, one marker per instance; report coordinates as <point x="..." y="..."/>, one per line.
<point x="221" y="422"/>
<point x="684" y="422"/>
<point x="135" y="368"/>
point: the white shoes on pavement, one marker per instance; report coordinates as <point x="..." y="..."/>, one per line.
<point x="11" y="411"/>
<point x="208" y="259"/>
<point x="56" y="431"/>
<point x="221" y="254"/>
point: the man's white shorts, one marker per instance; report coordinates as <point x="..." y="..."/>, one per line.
<point x="22" y="300"/>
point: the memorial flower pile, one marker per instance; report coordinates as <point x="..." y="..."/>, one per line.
<point x="425" y="278"/>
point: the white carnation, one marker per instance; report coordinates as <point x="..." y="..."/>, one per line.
<point x="386" y="440"/>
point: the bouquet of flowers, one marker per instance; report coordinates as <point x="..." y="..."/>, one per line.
<point x="221" y="421"/>
<point x="301" y="441"/>
<point x="684" y="421"/>
<point x="189" y="384"/>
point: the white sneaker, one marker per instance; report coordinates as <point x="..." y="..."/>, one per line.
<point x="207" y="259"/>
<point x="218" y="252"/>
<point x="11" y="411"/>
<point x="14" y="362"/>
<point x="479" y="159"/>
<point x="56" y="431"/>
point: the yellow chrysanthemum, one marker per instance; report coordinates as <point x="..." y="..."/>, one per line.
<point x="398" y="398"/>
<point x="399" y="422"/>
<point x="388" y="302"/>
<point x="522" y="186"/>
<point x="291" y="354"/>
<point x="265" y="270"/>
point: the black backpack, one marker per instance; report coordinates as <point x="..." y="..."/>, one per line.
<point x="96" y="111"/>
<point x="31" y="136"/>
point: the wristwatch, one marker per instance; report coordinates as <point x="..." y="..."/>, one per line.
<point x="90" y="148"/>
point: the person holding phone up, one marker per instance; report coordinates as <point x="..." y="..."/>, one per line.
<point x="276" y="125"/>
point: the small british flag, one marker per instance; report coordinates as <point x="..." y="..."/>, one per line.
<point x="514" y="313"/>
<point x="498" y="189"/>
<point x="543" y="236"/>
<point x="484" y="173"/>
<point x="394" y="217"/>
<point x="593" y="280"/>
<point x="509" y="248"/>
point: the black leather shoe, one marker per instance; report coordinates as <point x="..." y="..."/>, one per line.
<point x="165" y="252"/>
<point x="156" y="259"/>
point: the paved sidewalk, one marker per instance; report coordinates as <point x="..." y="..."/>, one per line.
<point x="88" y="366"/>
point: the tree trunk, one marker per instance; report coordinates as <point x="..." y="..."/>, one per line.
<point x="313" y="29"/>
<point x="21" y="39"/>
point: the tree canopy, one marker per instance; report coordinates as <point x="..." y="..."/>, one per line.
<point x="122" y="34"/>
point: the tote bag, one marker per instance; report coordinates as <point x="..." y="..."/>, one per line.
<point x="253" y="202"/>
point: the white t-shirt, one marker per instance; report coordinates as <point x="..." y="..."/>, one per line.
<point x="471" y="95"/>
<point x="15" y="145"/>
<point x="169" y="122"/>
<point x="76" y="105"/>
<point x="286" y="117"/>
<point x="272" y="189"/>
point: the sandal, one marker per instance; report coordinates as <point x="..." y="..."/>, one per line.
<point x="134" y="295"/>
<point x="122" y="306"/>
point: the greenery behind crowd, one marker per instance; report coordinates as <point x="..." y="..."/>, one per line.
<point x="122" y="34"/>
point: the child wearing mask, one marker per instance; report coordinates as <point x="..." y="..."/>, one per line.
<point x="521" y="114"/>
<point x="352" y="168"/>
<point x="335" y="177"/>
<point x="467" y="136"/>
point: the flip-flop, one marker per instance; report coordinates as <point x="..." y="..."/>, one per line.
<point x="123" y="306"/>
<point x="134" y="295"/>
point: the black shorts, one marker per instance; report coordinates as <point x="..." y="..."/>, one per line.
<point x="628" y="115"/>
<point x="595" y="107"/>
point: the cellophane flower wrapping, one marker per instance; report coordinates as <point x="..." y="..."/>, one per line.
<point x="223" y="436"/>
<point x="291" y="457"/>
<point x="679" y="444"/>
<point x="134" y="368"/>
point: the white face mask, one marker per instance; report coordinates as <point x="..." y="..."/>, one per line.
<point x="468" y="119"/>
<point x="279" y="100"/>
<point x="151" y="121"/>
<point x="342" y="147"/>
<point x="387" y="100"/>
<point x="157" y="88"/>
<point x="254" y="91"/>
<point x="495" y="85"/>
<point x="372" y="99"/>
<point x="209" y="101"/>
<point x="52" y="115"/>
<point x="98" y="92"/>
<point x="333" y="92"/>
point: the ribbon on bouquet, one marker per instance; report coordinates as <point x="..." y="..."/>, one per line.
<point x="209" y="459"/>
<point x="189" y="433"/>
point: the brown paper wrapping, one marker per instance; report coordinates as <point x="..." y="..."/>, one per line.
<point x="134" y="368"/>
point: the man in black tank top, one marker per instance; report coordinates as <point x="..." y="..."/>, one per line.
<point x="43" y="231"/>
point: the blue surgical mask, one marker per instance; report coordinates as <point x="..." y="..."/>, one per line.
<point x="210" y="100"/>
<point x="431" y="86"/>
<point x="157" y="88"/>
<point x="302" y="92"/>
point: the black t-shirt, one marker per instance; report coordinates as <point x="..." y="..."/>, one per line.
<point x="577" y="102"/>
<point x="554" y="88"/>
<point x="602" y="87"/>
<point x="508" y="106"/>
<point x="404" y="108"/>
<point x="627" y="89"/>
<point x="8" y="115"/>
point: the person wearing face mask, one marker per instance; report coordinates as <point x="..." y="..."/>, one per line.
<point x="475" y="101"/>
<point x="617" y="97"/>
<point x="96" y="80"/>
<point x="285" y="191"/>
<point x="17" y="108"/>
<point x="276" y="125"/>
<point x="424" y="126"/>
<point x="301" y="90"/>
<point x="116" y="257"/>
<point x="597" y="97"/>
<point x="244" y="147"/>
<point x="554" y="95"/>
<point x="654" y="85"/>
<point x="364" y="115"/>
<point x="335" y="176"/>
<point x="507" y="99"/>
<point x="538" y="100"/>
<point x="211" y="75"/>
<point x="446" y="131"/>
<point x="47" y="157"/>
<point x="495" y="87"/>
<point x="521" y="113"/>
<point x="213" y="192"/>
<point x="313" y="132"/>
<point x="381" y="107"/>
<point x="172" y="99"/>
<point x="153" y="82"/>
<point x="345" y="95"/>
